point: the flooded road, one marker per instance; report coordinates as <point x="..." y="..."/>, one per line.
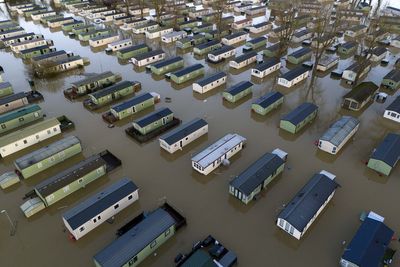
<point x="250" y="230"/>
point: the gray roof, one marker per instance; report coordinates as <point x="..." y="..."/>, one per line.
<point x="182" y="131"/>
<point x="69" y="175"/>
<point x="303" y="207"/>
<point x="94" y="205"/>
<point x="395" y="105"/>
<point x="294" y="73"/>
<point x="393" y="75"/>
<point x="340" y="130"/>
<point x="388" y="150"/>
<point x="256" y="173"/>
<point x="46" y="152"/>
<point x="120" y="251"/>
<point x="268" y="63"/>
<point x="245" y="56"/>
<point x="221" y="50"/>
<point x="104" y="36"/>
<point x="235" y="35"/>
<point x="92" y="79"/>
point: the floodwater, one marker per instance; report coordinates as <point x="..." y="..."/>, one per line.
<point x="249" y="231"/>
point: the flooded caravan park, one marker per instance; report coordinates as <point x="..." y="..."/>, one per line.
<point x="250" y="230"/>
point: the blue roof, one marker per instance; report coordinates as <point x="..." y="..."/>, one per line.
<point x="239" y="87"/>
<point x="11" y="98"/>
<point x="305" y="204"/>
<point x="388" y="150"/>
<point x="257" y="40"/>
<point x="395" y="105"/>
<point x="94" y="205"/>
<point x="111" y="89"/>
<point x="120" y="251"/>
<point x="154" y="116"/>
<point x="188" y="70"/>
<point x="300" y="113"/>
<point x="268" y="99"/>
<point x="148" y="54"/>
<point x="245" y="56"/>
<point x="29" y="50"/>
<point x="369" y="244"/>
<point x="208" y="44"/>
<point x="49" y="55"/>
<point x="234" y="35"/>
<point x="301" y="52"/>
<point x="209" y="79"/>
<point x="132" y="102"/>
<point x="182" y="131"/>
<point x="268" y="63"/>
<point x="259" y="25"/>
<point x="18" y="113"/>
<point x="257" y="173"/>
<point x="4" y="85"/>
<point x="294" y="73"/>
<point x="167" y="62"/>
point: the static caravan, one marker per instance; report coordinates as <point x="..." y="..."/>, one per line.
<point x="204" y="27"/>
<point x="145" y="234"/>
<point x="56" y="23"/>
<point x="28" y="136"/>
<point x="216" y="34"/>
<point x="187" y="24"/>
<point x="147" y="58"/>
<point x="242" y="8"/>
<point x="267" y="67"/>
<point x="385" y="157"/>
<point x="68" y="181"/>
<point x="258" y="10"/>
<point x="138" y="11"/>
<point x="183" y="135"/>
<point x="255" y="43"/>
<point x="198" y="13"/>
<point x="100" y="14"/>
<point x="293" y="77"/>
<point x="153" y="121"/>
<point x="103" y="40"/>
<point x="19" y="117"/>
<point x="17" y="47"/>
<point x="6" y="89"/>
<point x="36" y="51"/>
<point x="300" y="55"/>
<point x="248" y="184"/>
<point x="158" y="33"/>
<point x="326" y="62"/>
<point x="243" y="60"/>
<point x="131" y="51"/>
<point x="277" y="32"/>
<point x="267" y="103"/>
<point x="111" y="93"/>
<point x="359" y="96"/>
<point x="129" y="25"/>
<point x="392" y="80"/>
<point x="370" y="244"/>
<point x="238" y="91"/>
<point x="98" y="208"/>
<point x="272" y="50"/>
<point x="83" y="29"/>
<point x="377" y="54"/>
<point x="222" y="53"/>
<point x="87" y="35"/>
<point x="46" y="19"/>
<point x="298" y="118"/>
<point x="206" y="47"/>
<point x="218" y="153"/>
<point x="356" y="31"/>
<point x="173" y="36"/>
<point x="133" y="105"/>
<point x="235" y="38"/>
<point x="143" y="28"/>
<point x="112" y="16"/>
<point x="260" y="27"/>
<point x="350" y="73"/>
<point x="21" y="38"/>
<point x="67" y="27"/>
<point x="186" y="42"/>
<point x="167" y="65"/>
<point x="36" y="10"/>
<point x="8" y="27"/>
<point x="338" y="134"/>
<point x="11" y="102"/>
<point x="241" y="24"/>
<point x="392" y="112"/>
<point x="313" y="198"/>
<point x="40" y="15"/>
<point x="395" y="42"/>
<point x="60" y="65"/>
<point x="91" y="84"/>
<point x="301" y="36"/>
<point x="188" y="73"/>
<point x="12" y="33"/>
<point x="118" y="45"/>
<point x="208" y="83"/>
<point x="121" y="20"/>
<point x="48" y="156"/>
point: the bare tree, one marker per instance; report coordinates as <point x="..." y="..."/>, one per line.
<point x="159" y="6"/>
<point x="219" y="6"/>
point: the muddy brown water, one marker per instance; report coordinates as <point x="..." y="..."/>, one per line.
<point x="249" y="231"/>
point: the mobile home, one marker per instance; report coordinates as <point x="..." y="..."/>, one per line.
<point x="293" y="77"/>
<point x="392" y="80"/>
<point x="258" y="10"/>
<point x="167" y="65"/>
<point x="338" y="134"/>
<point x="272" y="50"/>
<point x="385" y="157"/>
<point x="260" y="27"/>
<point x="243" y="60"/>
<point x="173" y="36"/>
<point x="377" y="54"/>
<point x="28" y="136"/>
<point x="153" y="121"/>
<point x="248" y="184"/>
<point x="205" y="48"/>
<point x="36" y="51"/>
<point x="298" y="118"/>
<point x="241" y="24"/>
<point x="234" y="38"/>
<point x="267" y="103"/>
<point x="220" y="54"/>
<point x="21" y="38"/>
<point x="100" y="207"/>
<point x="19" y="117"/>
<point x="359" y="96"/>
<point x="187" y="73"/>
<point x="218" y="153"/>
<point x="148" y="58"/>
<point x="85" y="36"/>
<point x="301" y="36"/>
<point x="58" y="22"/>
<point x="300" y="55"/>
<point x="350" y="73"/>
<point x="326" y="62"/>
<point x="238" y="91"/>
<point x="11" y="33"/>
<point x="48" y="156"/>
<point x="11" y="102"/>
<point x="43" y="14"/>
<point x="6" y="89"/>
<point x="313" y="198"/>
<point x="356" y="31"/>
<point x="67" y="27"/>
<point x="143" y="28"/>
<point x="392" y="112"/>
<point x="104" y="40"/>
<point x="131" y="51"/>
<point x="267" y="67"/>
<point x="133" y="105"/>
<point x="255" y="43"/>
<point x="210" y="82"/>
<point x="18" y="47"/>
<point x="60" y="65"/>
<point x="158" y="33"/>
<point x="183" y="135"/>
